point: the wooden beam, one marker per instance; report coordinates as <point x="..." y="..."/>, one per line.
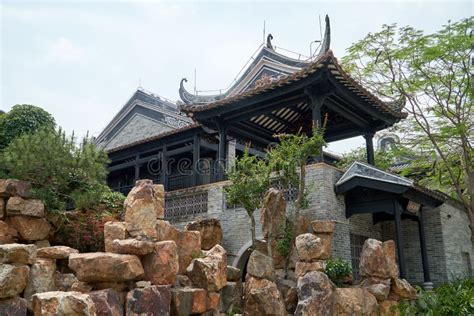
<point x="270" y="96"/>
<point x="399" y="237"/>
<point x="424" y="252"/>
<point x="243" y="115"/>
<point x="196" y="156"/>
<point x="369" y="146"/>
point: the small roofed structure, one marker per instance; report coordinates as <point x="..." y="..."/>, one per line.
<point x="387" y="196"/>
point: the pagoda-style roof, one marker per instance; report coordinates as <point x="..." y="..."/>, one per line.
<point x="284" y="105"/>
<point x="268" y="65"/>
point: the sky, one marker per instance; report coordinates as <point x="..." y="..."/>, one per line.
<point x="82" y="60"/>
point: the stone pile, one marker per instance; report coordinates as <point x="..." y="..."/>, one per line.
<point x="313" y="249"/>
<point x="380" y="275"/>
<point x="21" y="218"/>
<point x="148" y="267"/>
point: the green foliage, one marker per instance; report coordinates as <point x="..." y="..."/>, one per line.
<point x="60" y="172"/>
<point x="337" y="270"/>
<point x="250" y="178"/>
<point x="453" y="298"/>
<point x="292" y="152"/>
<point x="431" y="72"/>
<point x="284" y="243"/>
<point x="23" y="119"/>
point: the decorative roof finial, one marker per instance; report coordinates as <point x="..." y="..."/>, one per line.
<point x="327" y="37"/>
<point x="269" y="41"/>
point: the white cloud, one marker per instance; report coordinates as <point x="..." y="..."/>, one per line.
<point x="63" y="50"/>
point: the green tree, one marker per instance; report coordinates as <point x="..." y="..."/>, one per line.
<point x="250" y="179"/>
<point x="288" y="160"/>
<point x="60" y="172"/>
<point x="431" y="73"/>
<point x="23" y="119"/>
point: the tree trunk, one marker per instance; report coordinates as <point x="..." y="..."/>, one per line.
<point x="252" y="230"/>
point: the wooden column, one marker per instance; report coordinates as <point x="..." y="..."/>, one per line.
<point x="164" y="167"/>
<point x="137" y="168"/>
<point x="196" y="156"/>
<point x="399" y="236"/>
<point x="222" y="129"/>
<point x="424" y="253"/>
<point x="369" y="145"/>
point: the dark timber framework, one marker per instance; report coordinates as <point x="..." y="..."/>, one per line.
<point x="389" y="197"/>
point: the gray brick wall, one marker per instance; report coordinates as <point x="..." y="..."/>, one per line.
<point x="446" y="227"/>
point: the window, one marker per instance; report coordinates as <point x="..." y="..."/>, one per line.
<point x="357" y="242"/>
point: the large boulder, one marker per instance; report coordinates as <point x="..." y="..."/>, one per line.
<point x="231" y="296"/>
<point x="354" y="301"/>
<point x="233" y="274"/>
<point x="389" y="249"/>
<point x="10" y="187"/>
<point x="8" y="234"/>
<point x="17" y="253"/>
<point x="189" y="247"/>
<point x="287" y="288"/>
<point x="64" y="281"/>
<point x="132" y="246"/>
<point x="378" y="259"/>
<point x="107" y="302"/>
<point x="153" y="300"/>
<point x="261" y="297"/>
<point x="262" y="246"/>
<point x="210" y="229"/>
<point x="31" y="228"/>
<point x="105" y="267"/>
<point x="302" y="268"/>
<point x="402" y="289"/>
<point x="2" y="208"/>
<point x="63" y="303"/>
<point x="379" y="288"/>
<point x="142" y="209"/>
<point x="113" y="231"/>
<point x="166" y="231"/>
<point x="40" y="278"/>
<point x="209" y="272"/>
<point x="260" y="266"/>
<point x="273" y="213"/>
<point x="56" y="252"/>
<point x="162" y="265"/>
<point x="187" y="301"/>
<point x="19" y="206"/>
<point x="315" y="294"/>
<point x="323" y="227"/>
<point x="388" y="308"/>
<point x="15" y="306"/>
<point x="13" y="279"/>
<point x="311" y="247"/>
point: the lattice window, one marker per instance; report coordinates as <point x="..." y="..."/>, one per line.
<point x="186" y="204"/>
<point x="291" y="192"/>
<point x="357" y="242"/>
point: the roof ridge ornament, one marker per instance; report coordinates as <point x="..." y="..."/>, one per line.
<point x="269" y="41"/>
<point x="325" y="46"/>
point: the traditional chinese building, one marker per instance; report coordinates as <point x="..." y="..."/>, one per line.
<point x="187" y="148"/>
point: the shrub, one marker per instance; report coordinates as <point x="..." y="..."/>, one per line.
<point x="338" y="270"/>
<point x="23" y="119"/>
<point x="453" y="298"/>
<point x="284" y="243"/>
<point x="61" y="173"/>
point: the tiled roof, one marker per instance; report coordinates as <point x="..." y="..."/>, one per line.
<point x="336" y="70"/>
<point x="155" y="137"/>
